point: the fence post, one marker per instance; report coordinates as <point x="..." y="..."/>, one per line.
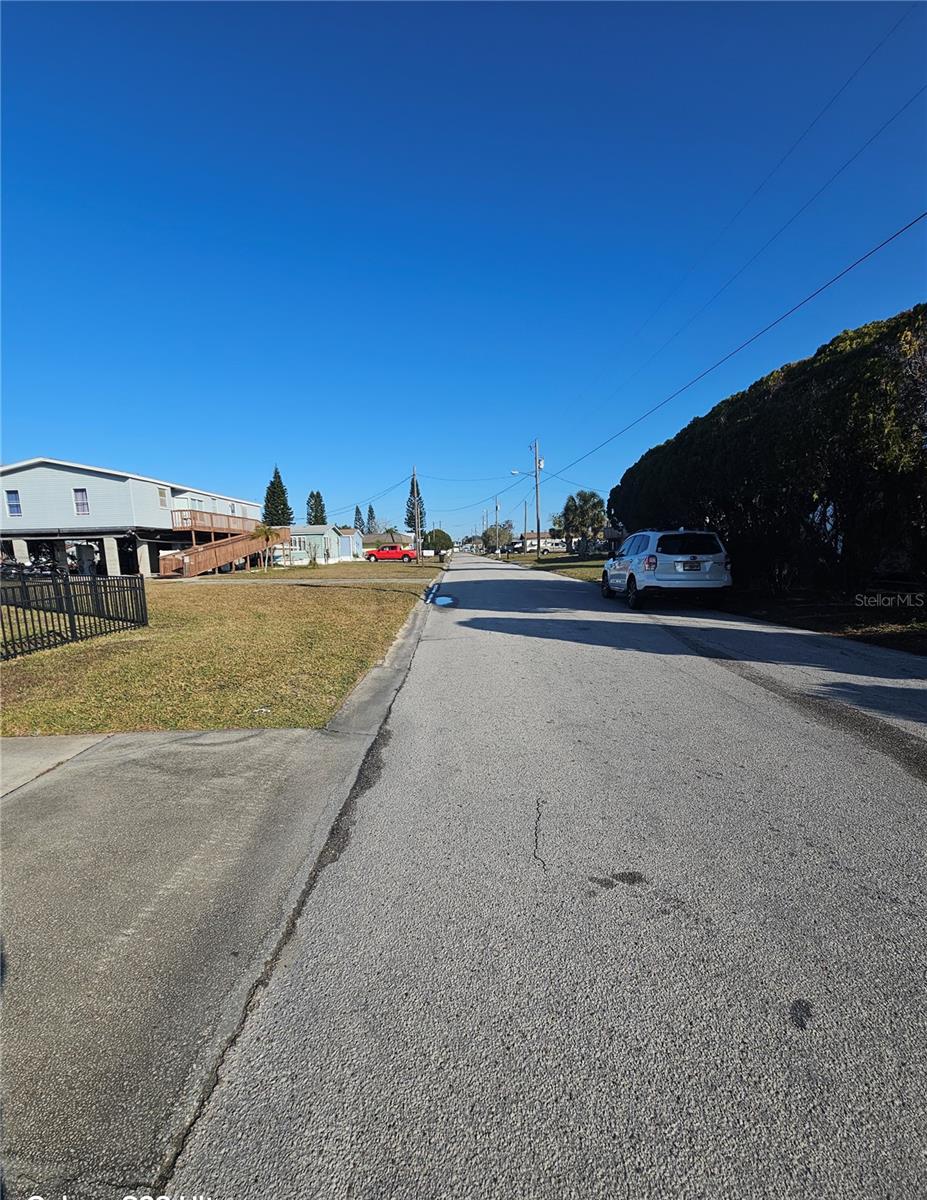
<point x="142" y="612"/>
<point x="22" y="587"/>
<point x="69" y="606"/>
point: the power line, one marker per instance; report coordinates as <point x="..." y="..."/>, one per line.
<point x="521" y="499"/>
<point x="572" y="482"/>
<point x="370" y="499"/>
<point x="782" y="161"/>
<point x="743" y="345"/>
<point x="477" y="479"/>
<point x="708" y="370"/>
<point x="782" y="228"/>
<point x="769" y="241"/>
<point x="483" y="499"/>
<point x="761" y="185"/>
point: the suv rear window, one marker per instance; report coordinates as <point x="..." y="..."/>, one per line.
<point x="688" y="543"/>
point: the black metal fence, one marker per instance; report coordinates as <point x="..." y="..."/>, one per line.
<point x="42" y="609"/>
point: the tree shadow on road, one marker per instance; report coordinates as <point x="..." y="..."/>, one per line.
<point x="711" y="635"/>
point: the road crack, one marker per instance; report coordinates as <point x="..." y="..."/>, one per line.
<point x="537" y="834"/>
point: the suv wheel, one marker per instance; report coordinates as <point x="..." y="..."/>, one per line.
<point x="632" y="595"/>
<point x="607" y="591"/>
<point x="405" y="558"/>
<point x="372" y="558"/>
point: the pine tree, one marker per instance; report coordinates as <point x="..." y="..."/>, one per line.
<point x="415" y="496"/>
<point x="277" y="509"/>
<point x="373" y="525"/>
<point x="358" y="519"/>
<point x="315" y="510"/>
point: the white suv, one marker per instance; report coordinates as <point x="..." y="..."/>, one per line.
<point x="667" y="560"/>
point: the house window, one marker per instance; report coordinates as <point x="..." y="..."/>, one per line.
<point x="81" y="502"/>
<point x="13" y="506"/>
<point x="162" y="497"/>
<point x="232" y="509"/>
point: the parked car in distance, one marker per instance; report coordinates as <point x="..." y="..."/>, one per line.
<point x="682" y="561"/>
<point x="390" y="552"/>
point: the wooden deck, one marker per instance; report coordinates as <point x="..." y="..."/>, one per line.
<point x="196" y="520"/>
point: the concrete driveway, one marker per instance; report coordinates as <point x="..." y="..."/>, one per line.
<point x="620" y="905"/>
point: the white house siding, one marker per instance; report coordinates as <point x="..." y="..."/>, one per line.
<point x="146" y="511"/>
<point x="210" y="502"/>
<point x="125" y="526"/>
<point x="116" y="501"/>
<point x="47" y="499"/>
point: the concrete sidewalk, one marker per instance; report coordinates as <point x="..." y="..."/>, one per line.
<point x="23" y="759"/>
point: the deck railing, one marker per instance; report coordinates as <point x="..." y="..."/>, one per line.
<point x="209" y="556"/>
<point x="197" y="520"/>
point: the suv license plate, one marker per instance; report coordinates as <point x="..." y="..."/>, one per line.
<point x="692" y="566"/>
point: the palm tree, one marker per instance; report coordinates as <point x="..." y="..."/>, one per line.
<point x="583" y="517"/>
<point x="268" y="535"/>
<point x="571" y="521"/>
<point x="591" y="516"/>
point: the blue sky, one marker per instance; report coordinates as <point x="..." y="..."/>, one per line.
<point x="347" y="238"/>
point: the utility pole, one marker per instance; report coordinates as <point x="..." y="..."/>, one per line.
<point x="538" y="462"/>
<point x="524" y="529"/>
<point x="418" y="519"/>
<point x="496" y="535"/>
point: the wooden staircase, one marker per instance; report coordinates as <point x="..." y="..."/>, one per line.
<point x="211" y="555"/>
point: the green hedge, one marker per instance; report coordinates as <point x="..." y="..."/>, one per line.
<point x="816" y="475"/>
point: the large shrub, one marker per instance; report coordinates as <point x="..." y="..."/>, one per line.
<point x="815" y="475"/>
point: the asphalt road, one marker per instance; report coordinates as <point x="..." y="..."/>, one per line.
<point x="628" y="905"/>
<point x="618" y="905"/>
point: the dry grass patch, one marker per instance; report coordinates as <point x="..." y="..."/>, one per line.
<point x="212" y="658"/>
<point x="420" y="573"/>
<point x="587" y="569"/>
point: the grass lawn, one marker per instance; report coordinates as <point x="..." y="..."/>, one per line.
<point x="564" y="564"/>
<point x="418" y="573"/>
<point x="212" y="658"/>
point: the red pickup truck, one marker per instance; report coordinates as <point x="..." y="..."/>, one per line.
<point x="389" y="552"/>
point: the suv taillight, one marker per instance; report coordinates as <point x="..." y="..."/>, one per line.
<point x="650" y="563"/>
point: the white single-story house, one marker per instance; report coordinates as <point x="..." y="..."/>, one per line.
<point x="529" y="541"/>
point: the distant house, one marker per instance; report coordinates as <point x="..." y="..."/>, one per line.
<point x="372" y="540"/>
<point x="529" y="540"/>
<point x="614" y="535"/>
<point x="352" y="544"/>
<point x="100" y="520"/>
<point x="308" y="543"/>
